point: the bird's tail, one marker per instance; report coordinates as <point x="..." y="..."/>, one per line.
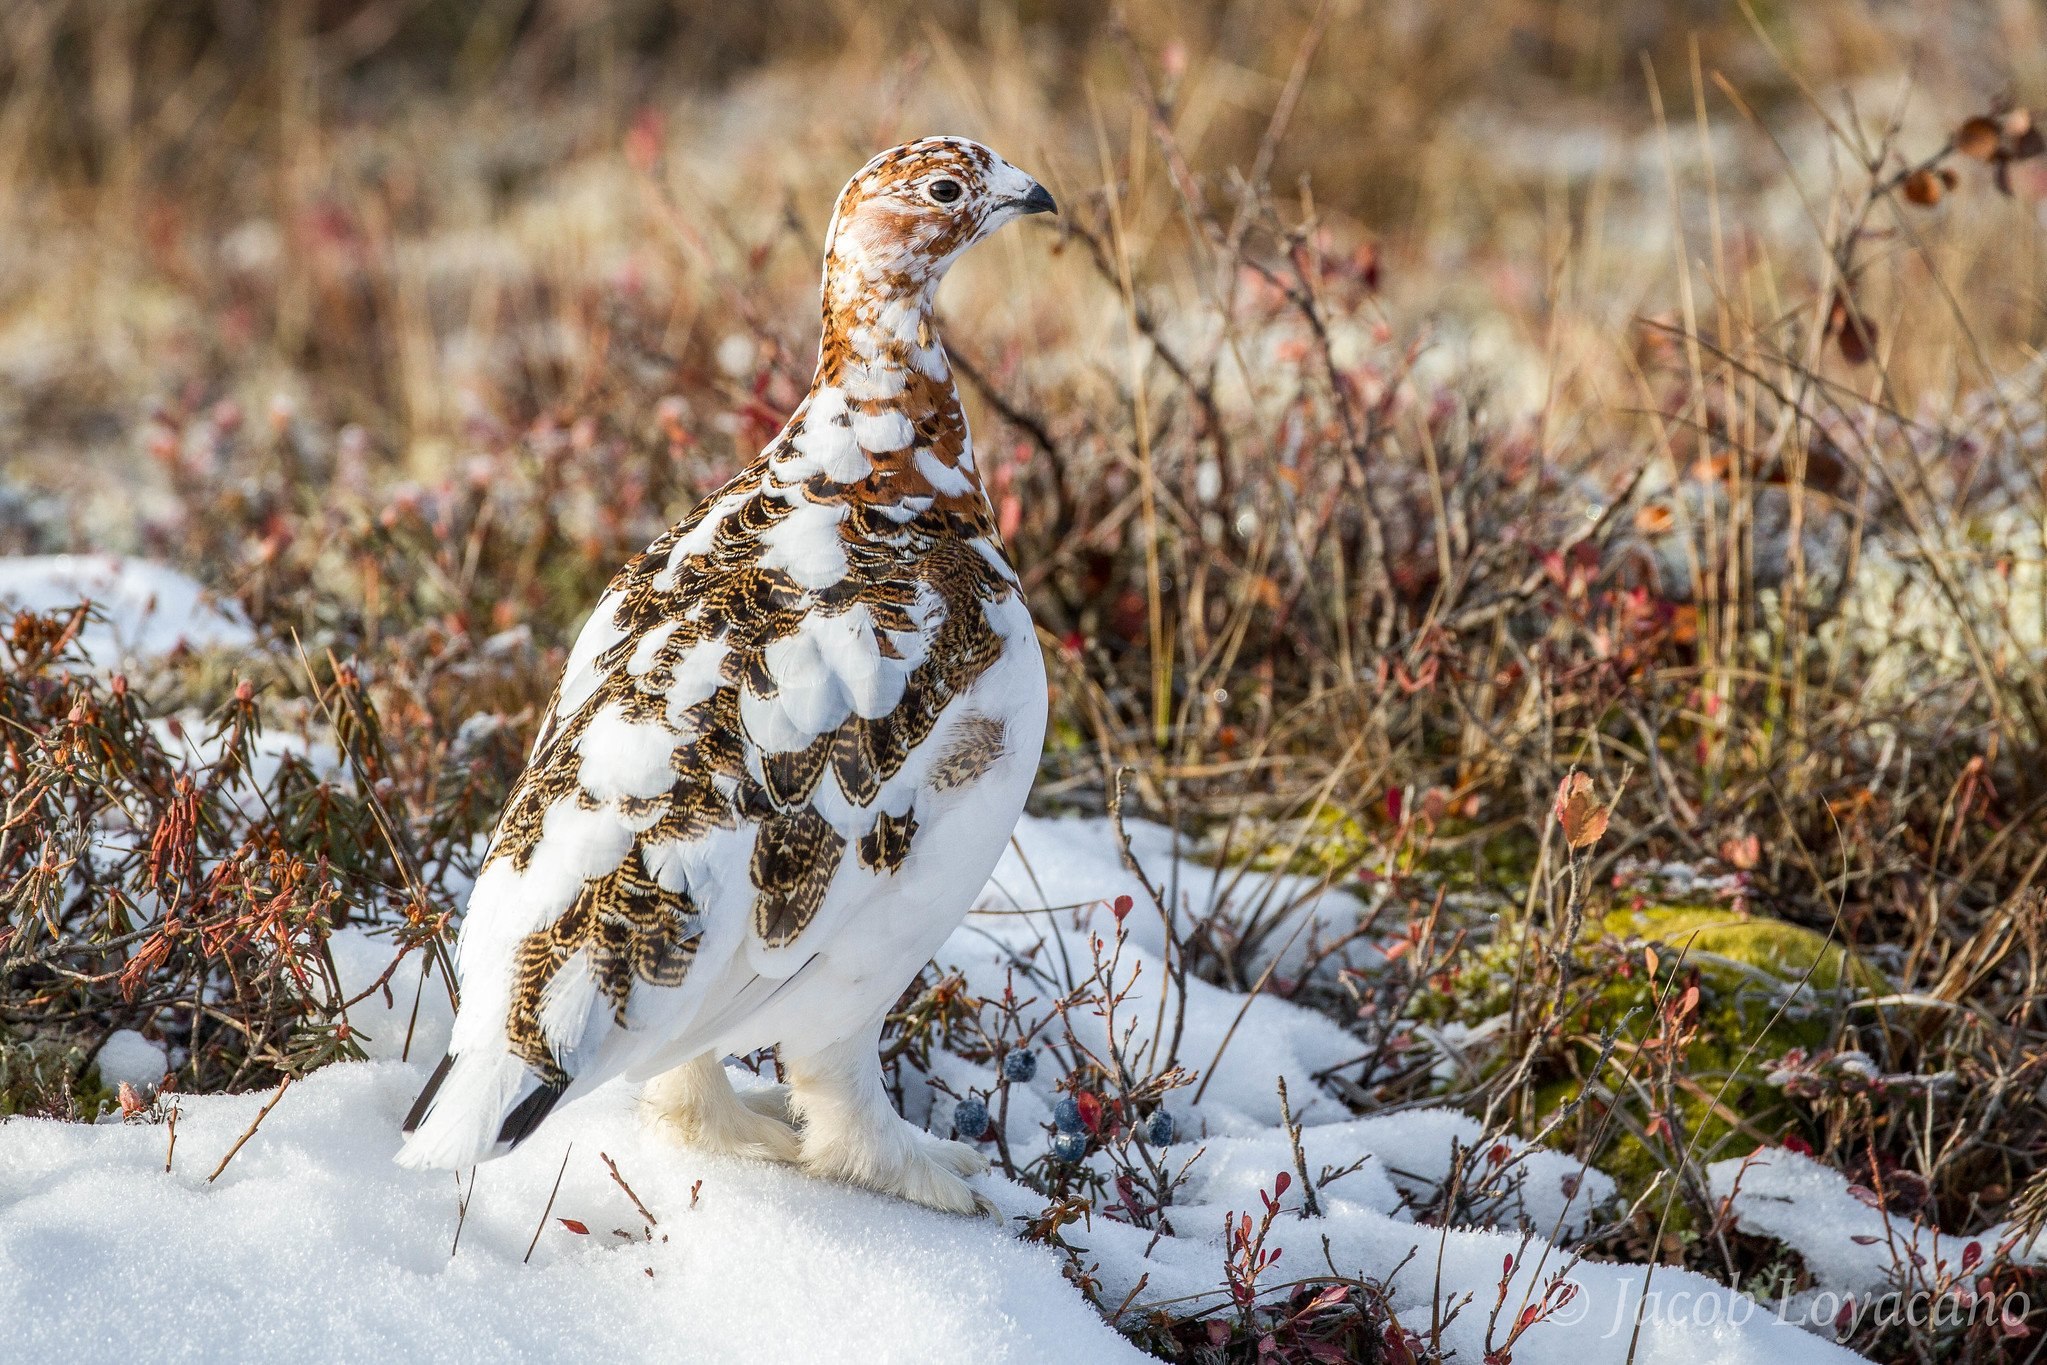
<point x="475" y="1107"/>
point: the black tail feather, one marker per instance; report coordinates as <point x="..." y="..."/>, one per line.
<point x="518" y="1125"/>
<point x="527" y="1114"/>
<point x="426" y="1096"/>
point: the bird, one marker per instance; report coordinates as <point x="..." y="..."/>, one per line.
<point x="785" y="753"/>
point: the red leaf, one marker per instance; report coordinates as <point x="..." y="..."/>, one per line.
<point x="1741" y="853"/>
<point x="1329" y="1298"/>
<point x="1122" y="907"/>
<point x="1854" y="333"/>
<point x="573" y="1226"/>
<point x="1280" y="1183"/>
<point x="1393" y="804"/>
<point x="643" y="141"/>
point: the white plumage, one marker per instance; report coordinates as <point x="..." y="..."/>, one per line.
<point x="785" y="753"/>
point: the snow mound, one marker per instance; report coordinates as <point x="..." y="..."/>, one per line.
<point x="1045" y="865"/>
<point x="1852" y="1246"/>
<point x="314" y="1245"/>
<point x="147" y="610"/>
<point x="129" y="1058"/>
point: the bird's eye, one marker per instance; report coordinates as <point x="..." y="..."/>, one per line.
<point x="945" y="191"/>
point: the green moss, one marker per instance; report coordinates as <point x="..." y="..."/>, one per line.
<point x="1453" y="854"/>
<point x="1331" y="841"/>
<point x="1765" y="987"/>
<point x="1720" y="938"/>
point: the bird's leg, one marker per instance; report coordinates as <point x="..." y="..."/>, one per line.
<point x="772" y="1100"/>
<point x="851" y="1132"/>
<point x="697" y="1104"/>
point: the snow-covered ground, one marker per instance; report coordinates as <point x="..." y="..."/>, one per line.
<point x="312" y="1244"/>
<point x="145" y="609"/>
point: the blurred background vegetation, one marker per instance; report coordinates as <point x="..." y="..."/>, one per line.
<point x="388" y="210"/>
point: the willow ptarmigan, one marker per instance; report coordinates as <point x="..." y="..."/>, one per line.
<point x="785" y="754"/>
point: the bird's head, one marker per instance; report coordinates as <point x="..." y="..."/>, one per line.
<point x="911" y="211"/>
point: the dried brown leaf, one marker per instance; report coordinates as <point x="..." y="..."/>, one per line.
<point x="1924" y="188"/>
<point x="1580" y="811"/>
<point x="1742" y="852"/>
<point x="1856" y="336"/>
<point x="1978" y="137"/>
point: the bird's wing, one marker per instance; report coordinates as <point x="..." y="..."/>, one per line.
<point x="737" y="733"/>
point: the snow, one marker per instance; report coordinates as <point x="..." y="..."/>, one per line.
<point x="313" y="1244"/>
<point x="129" y="1058"/>
<point x="1846" y="1238"/>
<point x="147" y="609"/>
<point x="317" y="1244"/>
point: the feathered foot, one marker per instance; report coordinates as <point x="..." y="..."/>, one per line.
<point x="697" y="1105"/>
<point x="850" y="1132"/>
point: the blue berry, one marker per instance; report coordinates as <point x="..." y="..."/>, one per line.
<point x="1066" y="1114"/>
<point x="970" y="1118"/>
<point x="1069" y="1147"/>
<point x="1161" y="1130"/>
<point x="1020" y="1065"/>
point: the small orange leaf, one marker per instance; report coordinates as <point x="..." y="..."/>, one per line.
<point x="1579" y="811"/>
<point x="1978" y="137"/>
<point x="580" y="1229"/>
<point x="1924" y="188"/>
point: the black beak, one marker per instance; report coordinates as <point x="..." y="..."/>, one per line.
<point x="1037" y="201"/>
